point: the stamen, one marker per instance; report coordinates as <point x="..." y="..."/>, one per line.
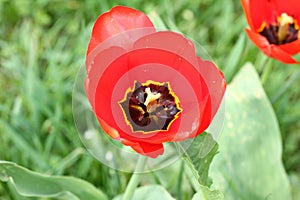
<point x="139" y="108"/>
<point x="150" y="96"/>
<point x="262" y="27"/>
<point x="285" y="30"/>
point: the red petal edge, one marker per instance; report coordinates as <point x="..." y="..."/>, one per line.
<point x="245" y="5"/>
<point x="291" y="48"/>
<point x="270" y="50"/>
<point x="117" y="20"/>
<point x="216" y="85"/>
<point x="143" y="148"/>
<point x="146" y="149"/>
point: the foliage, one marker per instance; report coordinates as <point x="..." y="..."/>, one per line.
<point x="29" y="183"/>
<point x="42" y="46"/>
<point x="250" y="151"/>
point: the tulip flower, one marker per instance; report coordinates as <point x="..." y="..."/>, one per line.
<point x="148" y="87"/>
<point x="274" y="27"/>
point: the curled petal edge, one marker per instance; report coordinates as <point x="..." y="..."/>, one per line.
<point x="292" y="48"/>
<point x="146" y="149"/>
<point x="246" y="8"/>
<point x="270" y="50"/>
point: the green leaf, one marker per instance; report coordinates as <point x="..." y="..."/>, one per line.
<point x="206" y="193"/>
<point x="249" y="164"/>
<point x="33" y="184"/>
<point x="295" y="185"/>
<point x="198" y="157"/>
<point x="149" y="192"/>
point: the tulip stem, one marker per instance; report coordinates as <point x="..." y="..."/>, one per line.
<point x="267" y="71"/>
<point x="135" y="178"/>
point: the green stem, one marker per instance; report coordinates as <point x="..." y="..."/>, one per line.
<point x="195" y="182"/>
<point x="267" y="71"/>
<point x="286" y="86"/>
<point x="179" y="185"/>
<point x="135" y="178"/>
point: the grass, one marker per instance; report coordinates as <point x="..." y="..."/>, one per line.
<point x="42" y="46"/>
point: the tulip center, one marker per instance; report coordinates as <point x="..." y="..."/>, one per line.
<point x="151" y="106"/>
<point x="284" y="30"/>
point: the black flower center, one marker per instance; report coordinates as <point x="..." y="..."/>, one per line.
<point x="149" y="107"/>
<point x="286" y="30"/>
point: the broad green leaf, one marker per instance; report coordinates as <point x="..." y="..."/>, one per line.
<point x="198" y="157"/>
<point x="149" y="192"/>
<point x="33" y="184"/>
<point x="249" y="164"/>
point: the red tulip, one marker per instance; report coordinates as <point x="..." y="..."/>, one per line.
<point x="148" y="87"/>
<point x="274" y="27"/>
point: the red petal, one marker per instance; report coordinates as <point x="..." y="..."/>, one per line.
<point x="115" y="21"/>
<point x="169" y="41"/>
<point x="98" y="65"/>
<point x="291" y="48"/>
<point x="107" y="97"/>
<point x="260" y="11"/>
<point x="291" y="7"/>
<point x="146" y="149"/>
<point x="259" y="40"/>
<point x="151" y="150"/>
<point x="210" y="73"/>
<point x="216" y="85"/>
<point x="112" y="132"/>
<point x="124" y="40"/>
<point x="270" y="50"/>
<point x="281" y="55"/>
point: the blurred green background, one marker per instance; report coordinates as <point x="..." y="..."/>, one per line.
<point x="42" y="47"/>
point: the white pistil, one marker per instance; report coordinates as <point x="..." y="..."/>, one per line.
<point x="150" y="96"/>
<point x="285" y="19"/>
